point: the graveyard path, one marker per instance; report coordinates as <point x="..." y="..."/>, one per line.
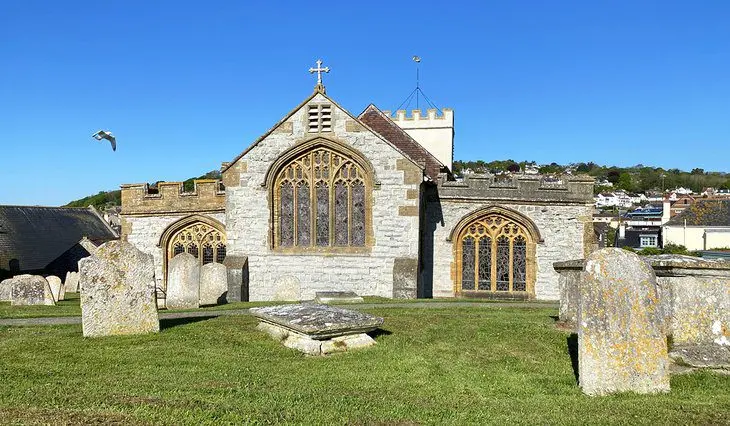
<point x="211" y="313"/>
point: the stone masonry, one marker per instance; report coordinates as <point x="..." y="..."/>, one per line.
<point x="395" y="229"/>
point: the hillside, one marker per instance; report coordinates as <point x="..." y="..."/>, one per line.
<point x="638" y="178"/>
<point x="106" y="199"/>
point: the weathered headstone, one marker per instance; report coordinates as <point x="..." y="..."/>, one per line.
<point x="118" y="291"/>
<point x="213" y="284"/>
<point x="55" y="283"/>
<point x="287" y="288"/>
<point x="183" y="282"/>
<point x="31" y="290"/>
<point x="317" y="329"/>
<point x="71" y="284"/>
<point x="237" y="271"/>
<point x="6" y="290"/>
<point x="621" y="342"/>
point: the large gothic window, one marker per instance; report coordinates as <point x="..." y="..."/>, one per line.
<point x="320" y="201"/>
<point x="492" y="255"/>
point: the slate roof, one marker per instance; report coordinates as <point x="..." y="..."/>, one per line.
<point x="385" y="127"/>
<point x="38" y="235"/>
<point x="704" y="213"/>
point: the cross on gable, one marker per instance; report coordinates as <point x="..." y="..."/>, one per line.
<point x="319" y="70"/>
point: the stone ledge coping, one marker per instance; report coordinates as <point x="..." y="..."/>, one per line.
<point x="660" y="261"/>
<point x="318" y="321"/>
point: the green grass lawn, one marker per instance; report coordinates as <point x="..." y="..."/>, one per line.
<point x="455" y="365"/>
<point x="70" y="307"/>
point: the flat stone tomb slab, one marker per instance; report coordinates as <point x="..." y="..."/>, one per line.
<point x="327" y="297"/>
<point x="315" y="325"/>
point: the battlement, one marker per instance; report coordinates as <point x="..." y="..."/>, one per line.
<point x="520" y="187"/>
<point x="432" y="119"/>
<point x="208" y="195"/>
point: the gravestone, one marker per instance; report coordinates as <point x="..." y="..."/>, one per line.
<point x="287" y="288"/>
<point x="621" y="342"/>
<point x="213" y="284"/>
<point x="31" y="290"/>
<point x="6" y="290"/>
<point x="71" y="284"/>
<point x="183" y="282"/>
<point x="237" y="272"/>
<point x="55" y="283"/>
<point x="118" y="291"/>
<point x="317" y="329"/>
<point x="335" y="297"/>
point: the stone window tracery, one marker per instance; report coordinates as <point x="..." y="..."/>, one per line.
<point x="203" y="241"/>
<point x="492" y="255"/>
<point x="320" y="201"/>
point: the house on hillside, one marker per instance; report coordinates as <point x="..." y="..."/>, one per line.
<point x="48" y="240"/>
<point x="704" y="225"/>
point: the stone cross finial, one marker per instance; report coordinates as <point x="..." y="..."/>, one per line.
<point x="319" y="70"/>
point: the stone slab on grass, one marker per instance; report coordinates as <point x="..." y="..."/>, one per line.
<point x="318" y="321"/>
<point x="31" y="290"/>
<point x="621" y="342"/>
<point x="315" y="347"/>
<point x="335" y="297"/>
<point x="118" y="291"/>
<point x="704" y="356"/>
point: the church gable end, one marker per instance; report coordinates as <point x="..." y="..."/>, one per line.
<point x="351" y="219"/>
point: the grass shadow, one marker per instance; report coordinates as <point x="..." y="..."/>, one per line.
<point x="572" y="341"/>
<point x="379" y="332"/>
<point x="174" y="322"/>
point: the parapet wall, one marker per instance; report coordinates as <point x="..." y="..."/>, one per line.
<point x="417" y="121"/>
<point x="169" y="197"/>
<point x="519" y="187"/>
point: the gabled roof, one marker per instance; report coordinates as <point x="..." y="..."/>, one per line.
<point x="38" y="235"/>
<point x="704" y="213"/>
<point x="318" y="91"/>
<point x="390" y="131"/>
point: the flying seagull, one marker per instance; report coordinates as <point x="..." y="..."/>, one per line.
<point x="104" y="134"/>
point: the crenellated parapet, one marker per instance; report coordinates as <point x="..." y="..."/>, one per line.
<point x="519" y="187"/>
<point x="208" y="195"/>
<point x="433" y="131"/>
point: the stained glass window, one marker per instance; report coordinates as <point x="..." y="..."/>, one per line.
<point x="178" y="248"/>
<point x="494" y="255"/>
<point x="357" y="231"/>
<point x="503" y="264"/>
<point x="519" y="264"/>
<point x="287" y="214"/>
<point x="320" y="201"/>
<point x="485" y="263"/>
<point x="341" y="214"/>
<point x="467" y="270"/>
<point x="208" y="254"/>
<point x="193" y="249"/>
<point x="304" y="236"/>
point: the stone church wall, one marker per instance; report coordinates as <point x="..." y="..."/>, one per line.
<point x="389" y="269"/>
<point x="561" y="211"/>
<point x="144" y="232"/>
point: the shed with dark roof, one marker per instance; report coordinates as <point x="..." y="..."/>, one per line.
<point x="33" y="237"/>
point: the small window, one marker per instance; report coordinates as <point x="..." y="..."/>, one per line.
<point x="320" y="118"/>
<point x="648" y="241"/>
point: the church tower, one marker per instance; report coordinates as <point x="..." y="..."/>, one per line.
<point x="434" y="132"/>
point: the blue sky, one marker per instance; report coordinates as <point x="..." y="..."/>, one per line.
<point x="187" y="85"/>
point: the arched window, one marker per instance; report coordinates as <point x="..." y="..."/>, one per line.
<point x="494" y="253"/>
<point x="320" y="201"/>
<point x="202" y="240"/>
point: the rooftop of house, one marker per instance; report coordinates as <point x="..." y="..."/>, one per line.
<point x="38" y="235"/>
<point x="704" y="213"/>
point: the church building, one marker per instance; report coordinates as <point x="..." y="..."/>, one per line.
<point x="327" y="200"/>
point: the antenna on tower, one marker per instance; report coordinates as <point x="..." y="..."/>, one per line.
<point x="417" y="92"/>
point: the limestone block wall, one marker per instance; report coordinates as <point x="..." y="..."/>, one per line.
<point x="562" y="227"/>
<point x="395" y="218"/>
<point x="144" y="232"/>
